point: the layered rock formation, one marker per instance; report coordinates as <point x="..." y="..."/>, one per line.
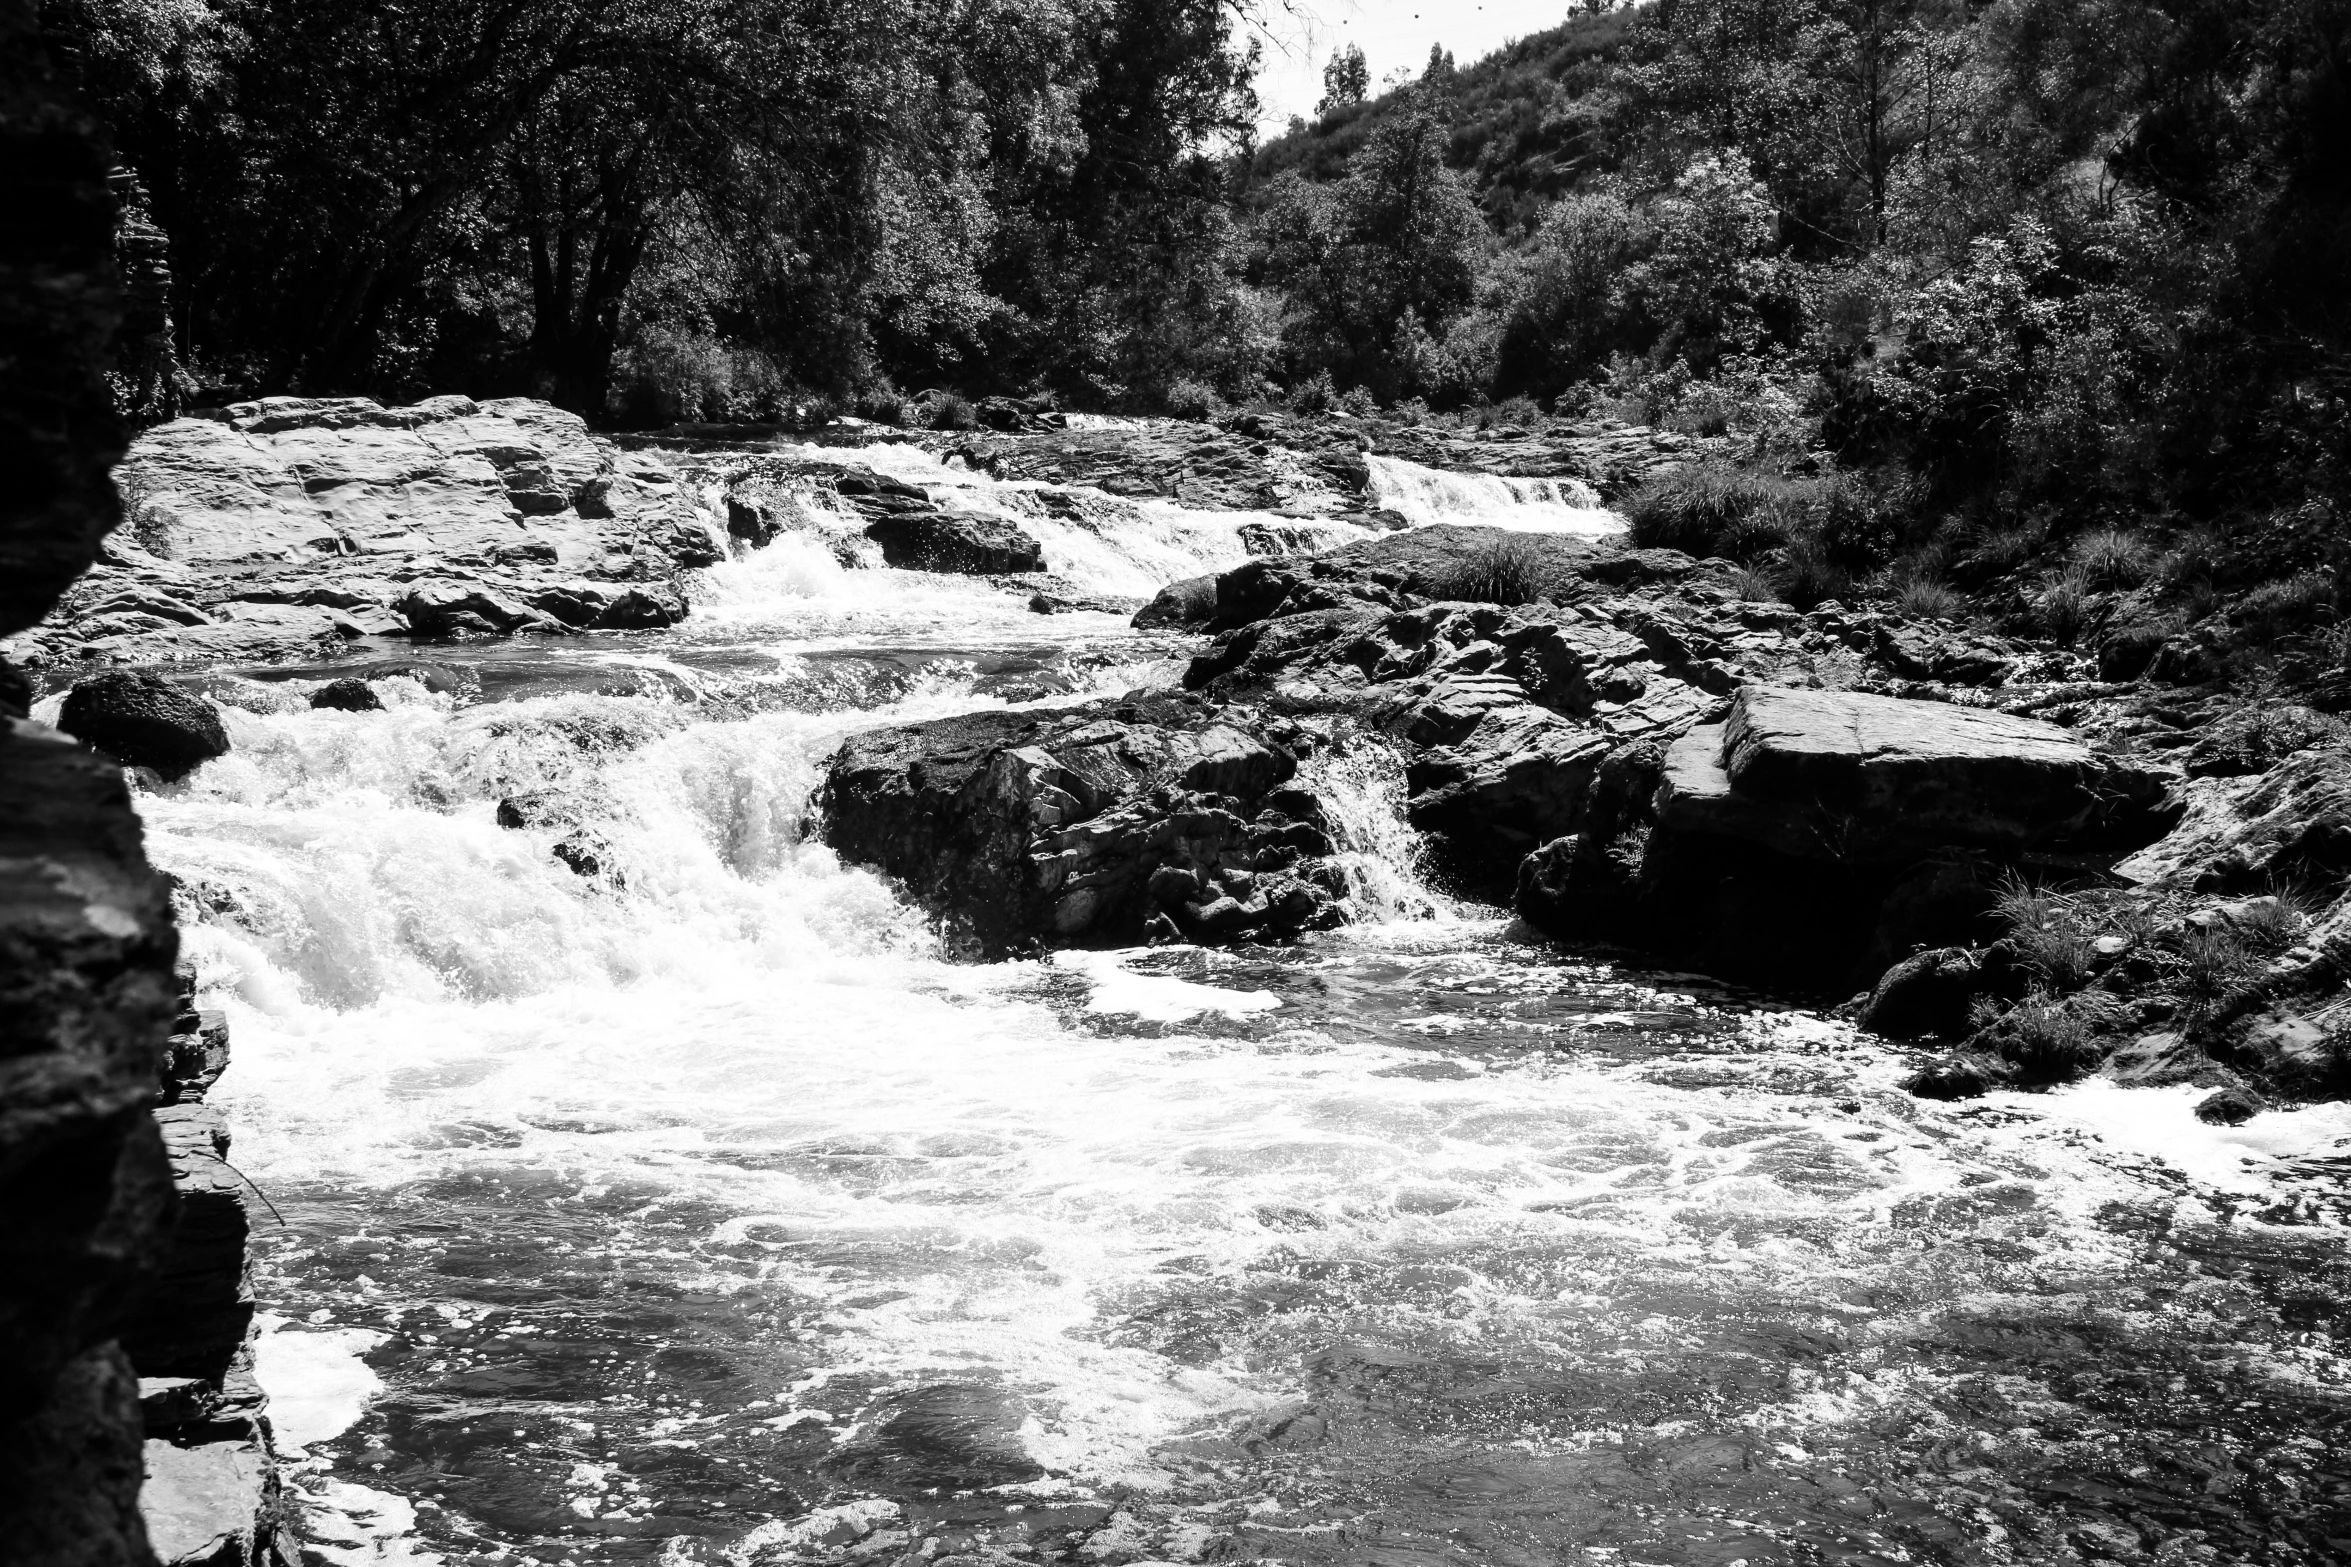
<point x="86" y="939"/>
<point x="288" y="527"/>
<point x="1814" y="838"/>
<point x="1148" y="817"/>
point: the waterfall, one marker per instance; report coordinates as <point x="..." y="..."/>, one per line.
<point x="1430" y="495"/>
<point x="1362" y="793"/>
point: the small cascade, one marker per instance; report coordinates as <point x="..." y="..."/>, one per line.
<point x="1430" y="495"/>
<point x="1362" y="793"/>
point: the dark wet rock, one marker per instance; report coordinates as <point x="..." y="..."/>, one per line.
<point x="753" y="521"/>
<point x="2230" y="1106"/>
<point x="72" y="1467"/>
<point x="16" y="692"/>
<point x="197" y="1051"/>
<point x="87" y="994"/>
<point x="460" y="609"/>
<point x="1811" y="838"/>
<point x="201" y="1308"/>
<point x="1959" y="1076"/>
<point x="348" y="695"/>
<point x="1180" y="606"/>
<point x="439" y="679"/>
<point x="1083" y="826"/>
<point x="955" y="542"/>
<point x="589" y="854"/>
<point x="144" y="720"/>
<point x="1926" y="996"/>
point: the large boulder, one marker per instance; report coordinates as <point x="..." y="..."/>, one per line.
<point x="1103" y="824"/>
<point x="924" y="540"/>
<point x="143" y="720"/>
<point x="1814" y="838"/>
<point x="1876" y="777"/>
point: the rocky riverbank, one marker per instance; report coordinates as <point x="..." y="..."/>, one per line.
<point x="1816" y="803"/>
<point x="2011" y="854"/>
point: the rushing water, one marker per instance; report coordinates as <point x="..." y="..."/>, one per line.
<point x="698" y="1211"/>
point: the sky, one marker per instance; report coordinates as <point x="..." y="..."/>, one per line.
<point x="1394" y="35"/>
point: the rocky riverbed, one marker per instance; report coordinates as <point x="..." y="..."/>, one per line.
<point x="1138" y="991"/>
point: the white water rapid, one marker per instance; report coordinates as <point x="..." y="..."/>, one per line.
<point x="698" y="1211"/>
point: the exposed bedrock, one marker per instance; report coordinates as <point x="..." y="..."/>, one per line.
<point x="286" y="528"/>
<point x="1106" y="824"/>
<point x="1813" y="839"/>
<point x="86" y="939"/>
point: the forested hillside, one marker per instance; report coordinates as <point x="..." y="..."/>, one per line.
<point x="1967" y="282"/>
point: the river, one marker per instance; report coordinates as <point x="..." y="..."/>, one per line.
<point x="697" y="1210"/>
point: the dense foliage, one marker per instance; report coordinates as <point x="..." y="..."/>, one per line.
<point x="2018" y="275"/>
<point x="1967" y="280"/>
<point x="665" y="208"/>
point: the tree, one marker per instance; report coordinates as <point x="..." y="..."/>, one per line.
<point x="1396" y="240"/>
<point x="1440" y="67"/>
<point x="1346" y="80"/>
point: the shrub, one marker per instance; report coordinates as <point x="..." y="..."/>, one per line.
<point x="1357" y="400"/>
<point x="2111" y="558"/>
<point x="2051" y="1039"/>
<point x="881" y="405"/>
<point x="1316" y="396"/>
<point x="1808" y="576"/>
<point x="2064" y="608"/>
<point x="1506" y="569"/>
<point x="2214" y="966"/>
<point x="2271" y="925"/>
<point x="1189" y="399"/>
<point x="2052" y="936"/>
<point x="1928" y="599"/>
<point x="1993" y="552"/>
<point x="1712" y="507"/>
<point x="2276" y="609"/>
<point x="952" y="411"/>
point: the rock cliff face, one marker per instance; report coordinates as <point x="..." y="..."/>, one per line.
<point x="86" y="939"/>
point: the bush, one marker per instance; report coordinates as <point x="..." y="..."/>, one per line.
<point x="1755" y="585"/>
<point x="2214" y="966"/>
<point x="1315" y="396"/>
<point x="2064" y="608"/>
<point x="1927" y="599"/>
<point x="1507" y="569"/>
<point x="953" y="411"/>
<point x="1357" y="400"/>
<point x="2276" y="609"/>
<point x="664" y="377"/>
<point x="2049" y="1039"/>
<point x="2110" y="558"/>
<point x="881" y="405"/>
<point x="2051" y="934"/>
<point x="1712" y="507"/>
<point x="1189" y="399"/>
<point x="1808" y="576"/>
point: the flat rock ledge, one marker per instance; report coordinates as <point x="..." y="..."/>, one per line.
<point x="1812" y="839"/>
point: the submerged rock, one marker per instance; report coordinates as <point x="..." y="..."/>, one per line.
<point x="144" y="720"/>
<point x="1095" y="825"/>
<point x="956" y="542"/>
<point x="348" y="695"/>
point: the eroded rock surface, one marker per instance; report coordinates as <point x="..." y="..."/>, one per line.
<point x="1103" y="824"/>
